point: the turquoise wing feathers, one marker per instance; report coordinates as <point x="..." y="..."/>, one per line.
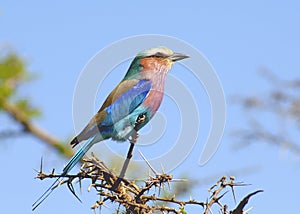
<point x="110" y="118"/>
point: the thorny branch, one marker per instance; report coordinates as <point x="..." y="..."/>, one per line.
<point x="142" y="198"/>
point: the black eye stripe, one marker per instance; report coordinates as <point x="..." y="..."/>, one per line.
<point x="159" y="54"/>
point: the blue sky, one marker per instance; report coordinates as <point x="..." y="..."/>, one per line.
<point x="238" y="38"/>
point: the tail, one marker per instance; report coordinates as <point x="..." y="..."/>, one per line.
<point x="44" y="195"/>
<point x="71" y="163"/>
<point x="79" y="154"/>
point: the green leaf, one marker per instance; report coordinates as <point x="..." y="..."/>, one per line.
<point x="181" y="210"/>
<point x="11" y="66"/>
<point x="27" y="109"/>
<point x="12" y="73"/>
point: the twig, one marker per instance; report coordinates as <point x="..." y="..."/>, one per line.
<point x="239" y="209"/>
<point x="36" y="131"/>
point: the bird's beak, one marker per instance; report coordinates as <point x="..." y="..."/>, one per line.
<point x="177" y="56"/>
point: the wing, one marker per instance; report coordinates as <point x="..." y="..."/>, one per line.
<point x="122" y="101"/>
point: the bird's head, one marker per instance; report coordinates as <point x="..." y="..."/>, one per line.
<point x="158" y="59"/>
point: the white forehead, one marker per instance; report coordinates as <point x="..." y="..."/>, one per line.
<point x="152" y="51"/>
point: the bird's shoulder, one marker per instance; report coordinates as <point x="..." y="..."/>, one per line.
<point x="119" y="90"/>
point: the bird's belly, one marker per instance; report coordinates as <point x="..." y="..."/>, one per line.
<point x="123" y="129"/>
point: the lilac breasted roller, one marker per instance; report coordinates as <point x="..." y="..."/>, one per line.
<point x="128" y="108"/>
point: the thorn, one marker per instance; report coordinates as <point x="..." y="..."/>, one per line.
<point x="71" y="188"/>
<point x="80" y="185"/>
<point x="179" y="180"/>
<point x="246" y="211"/>
<point x="147" y="162"/>
<point x="162" y="168"/>
<point x="41" y="166"/>
<point x="232" y="190"/>
<point x="159" y="188"/>
<point x="221" y="196"/>
<point x="168" y="182"/>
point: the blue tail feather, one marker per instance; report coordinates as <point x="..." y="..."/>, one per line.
<point x="78" y="155"/>
<point x="44" y="195"/>
<point x="71" y="163"/>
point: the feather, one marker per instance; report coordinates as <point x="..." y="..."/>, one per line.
<point x="71" y="163"/>
<point x="124" y="99"/>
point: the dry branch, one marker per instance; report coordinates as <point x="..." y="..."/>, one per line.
<point x="140" y="198"/>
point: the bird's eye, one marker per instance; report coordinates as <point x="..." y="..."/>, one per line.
<point x="159" y="54"/>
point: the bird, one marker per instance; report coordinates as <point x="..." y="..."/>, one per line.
<point x="128" y="108"/>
